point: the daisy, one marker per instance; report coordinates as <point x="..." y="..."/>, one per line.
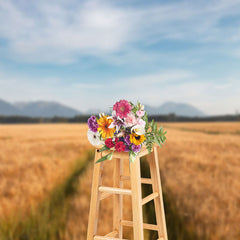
<point x="94" y="138"/>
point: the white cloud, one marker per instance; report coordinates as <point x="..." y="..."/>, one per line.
<point x="211" y="96"/>
<point x="61" y="31"/>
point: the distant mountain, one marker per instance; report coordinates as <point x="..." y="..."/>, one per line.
<point x="51" y="109"/>
<point x="180" y="109"/>
<point x="45" y="109"/>
<point x="7" y="109"/>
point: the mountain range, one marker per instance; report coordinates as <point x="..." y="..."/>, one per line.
<point x="37" y="109"/>
<point x="51" y="109"/>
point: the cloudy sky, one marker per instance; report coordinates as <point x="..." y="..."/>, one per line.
<point x="87" y="54"/>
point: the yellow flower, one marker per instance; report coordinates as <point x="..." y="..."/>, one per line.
<point x="137" y="139"/>
<point x="104" y="129"/>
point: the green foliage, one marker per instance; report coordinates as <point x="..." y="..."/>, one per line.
<point x="145" y="118"/>
<point x="132" y="156"/>
<point x="104" y="148"/>
<point x="155" y="135"/>
<point x="106" y="157"/>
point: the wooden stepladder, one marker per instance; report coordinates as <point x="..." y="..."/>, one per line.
<point x="100" y="192"/>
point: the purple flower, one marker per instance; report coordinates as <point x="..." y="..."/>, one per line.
<point x="136" y="148"/>
<point x="126" y="148"/>
<point x="92" y="124"/>
<point x="127" y="140"/>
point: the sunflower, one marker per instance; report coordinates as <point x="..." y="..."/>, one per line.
<point x="104" y="122"/>
<point x="137" y="139"/>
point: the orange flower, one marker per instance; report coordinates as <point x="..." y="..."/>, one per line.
<point x="104" y="129"/>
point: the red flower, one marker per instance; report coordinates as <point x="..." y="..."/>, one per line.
<point x="109" y="143"/>
<point x="120" y="147"/>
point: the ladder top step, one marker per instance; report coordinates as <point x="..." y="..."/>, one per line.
<point x="115" y="190"/>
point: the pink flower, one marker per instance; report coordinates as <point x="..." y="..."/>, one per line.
<point x="130" y="120"/>
<point x="140" y="113"/>
<point x="122" y="108"/>
<point x="141" y="122"/>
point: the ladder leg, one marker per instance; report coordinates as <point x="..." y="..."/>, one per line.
<point x="158" y="202"/>
<point x="117" y="198"/>
<point x="136" y="199"/>
<point x="95" y="202"/>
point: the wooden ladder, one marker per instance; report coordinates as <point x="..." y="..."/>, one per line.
<point x="100" y="192"/>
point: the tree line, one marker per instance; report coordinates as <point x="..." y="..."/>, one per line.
<point x="84" y="118"/>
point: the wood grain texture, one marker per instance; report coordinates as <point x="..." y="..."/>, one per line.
<point x="136" y="199"/>
<point x="95" y="199"/>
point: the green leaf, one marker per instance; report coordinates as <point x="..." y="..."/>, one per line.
<point x="145" y="118"/>
<point x="104" y="148"/>
<point x="106" y="157"/>
<point x="152" y="125"/>
<point x="158" y="141"/>
<point x="155" y="127"/>
<point x="132" y="156"/>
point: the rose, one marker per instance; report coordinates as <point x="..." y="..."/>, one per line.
<point x="130" y="120"/>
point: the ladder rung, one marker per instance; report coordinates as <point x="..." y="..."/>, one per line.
<point x="149" y="198"/>
<point x="146" y="180"/>
<point x="105" y="195"/>
<point x="143" y="180"/>
<point x="107" y="238"/>
<point x="115" y="190"/>
<point x="111" y="234"/>
<point x="145" y="225"/>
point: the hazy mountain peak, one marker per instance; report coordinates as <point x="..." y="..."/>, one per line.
<point x="180" y="109"/>
<point x="46" y="109"/>
<point x="51" y="108"/>
<point x="8" y="109"/>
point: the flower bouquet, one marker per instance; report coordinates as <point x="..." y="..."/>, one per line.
<point x="126" y="130"/>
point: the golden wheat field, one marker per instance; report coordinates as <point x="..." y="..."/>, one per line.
<point x="33" y="159"/>
<point x="200" y="169"/>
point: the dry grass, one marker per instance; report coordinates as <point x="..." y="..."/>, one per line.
<point x="200" y="171"/>
<point x="207" y="127"/>
<point x="33" y="159"/>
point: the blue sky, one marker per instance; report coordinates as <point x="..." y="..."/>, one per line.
<point x="88" y="54"/>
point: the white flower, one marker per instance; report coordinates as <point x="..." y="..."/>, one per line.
<point x="138" y="129"/>
<point x="94" y="138"/>
<point x="117" y="121"/>
<point x="101" y="115"/>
